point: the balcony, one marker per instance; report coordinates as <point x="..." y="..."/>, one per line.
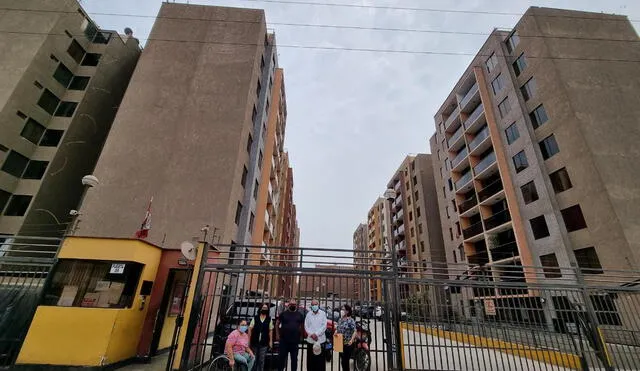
<point x="467" y="204"/>
<point x="398" y="218"/>
<point x="455" y="141"/>
<point x="454" y="115"/>
<point x="479" y="258"/>
<point x="480" y="137"/>
<point x="402" y="246"/>
<point x="484" y="164"/>
<point x="472" y="231"/>
<point x="498" y="219"/>
<point x="507" y="250"/>
<point x="473" y="120"/>
<point x="464" y="180"/>
<point x="396" y="186"/>
<point x="267" y="220"/>
<point x="399" y="231"/>
<point x="490" y="190"/>
<point x="473" y="92"/>
<point x="459" y="157"/>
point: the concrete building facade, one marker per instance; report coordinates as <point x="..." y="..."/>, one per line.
<point x="535" y="150"/>
<point x="361" y="259"/>
<point x="61" y="85"/>
<point x="378" y="229"/>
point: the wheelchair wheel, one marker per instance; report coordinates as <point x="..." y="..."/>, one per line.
<point x="361" y="360"/>
<point x="220" y="363"/>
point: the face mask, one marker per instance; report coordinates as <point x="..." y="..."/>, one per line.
<point x="264" y="311"/>
<point x="244" y="328"/>
<point x="314" y="308"/>
<point x="343" y="313"/>
<point x="292" y="307"/>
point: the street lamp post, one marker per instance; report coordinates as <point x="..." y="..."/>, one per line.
<point x="390" y="195"/>
<point x="88" y="181"/>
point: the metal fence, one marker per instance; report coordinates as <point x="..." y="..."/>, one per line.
<point x="423" y="315"/>
<point x="25" y="263"/>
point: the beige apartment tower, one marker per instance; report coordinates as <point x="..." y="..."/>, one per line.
<point x="61" y="85"/>
<point x="535" y="151"/>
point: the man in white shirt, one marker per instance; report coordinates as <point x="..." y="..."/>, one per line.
<point x="315" y="325"/>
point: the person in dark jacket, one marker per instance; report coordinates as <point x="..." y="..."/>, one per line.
<point x="290" y="326"/>
<point x="260" y="331"/>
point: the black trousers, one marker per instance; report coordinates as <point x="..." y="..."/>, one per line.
<point x="288" y="349"/>
<point x="345" y="356"/>
<point x="315" y="362"/>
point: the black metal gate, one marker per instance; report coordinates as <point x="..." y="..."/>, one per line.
<point x="423" y="315"/>
<point x="25" y="263"/>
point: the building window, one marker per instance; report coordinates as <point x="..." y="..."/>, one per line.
<point x="32" y="131"/>
<point x="408" y="200"/>
<point x="18" y="205"/>
<point x="79" y="83"/>
<point x="512" y="133"/>
<point x="446" y="210"/>
<point x="66" y="109"/>
<point x="538" y="116"/>
<point x="51" y="138"/>
<point x="497" y="84"/>
<point x="4" y="198"/>
<point x="249" y="144"/>
<point x="549" y="147"/>
<point x="414" y="179"/>
<point x="455" y="257"/>
<point x="415" y="196"/>
<point x="63" y="75"/>
<point x="256" y="187"/>
<point x="453" y="205"/>
<point x="550" y="266"/>
<point x="529" y="193"/>
<point x="48" y="101"/>
<point x="413" y="249"/>
<point x="76" y="51"/>
<point x="539" y="227"/>
<point x="573" y="218"/>
<point x="251" y="221"/>
<point x="238" y="213"/>
<point x="260" y="160"/>
<point x="528" y="90"/>
<point x="420" y="228"/>
<point x="560" y="180"/>
<point x="91" y="283"/>
<point x="450" y="184"/>
<point x="605" y="307"/>
<point x="504" y="107"/>
<point x="410" y="216"/>
<point x="492" y="62"/>
<point x="520" y="161"/>
<point x="520" y="64"/>
<point x="458" y="229"/>
<point x="15" y="164"/>
<point x="258" y="89"/>
<point x="513" y="41"/>
<point x="35" y="169"/>
<point x="422" y="246"/>
<point x="418" y="212"/>
<point x="451" y="234"/>
<point x="588" y="261"/>
<point x="91" y="59"/>
<point x="262" y="64"/>
<point x="243" y="180"/>
<point x="254" y="114"/>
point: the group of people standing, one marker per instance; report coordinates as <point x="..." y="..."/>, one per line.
<point x="248" y="344"/>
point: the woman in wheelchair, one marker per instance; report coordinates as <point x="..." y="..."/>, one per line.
<point x="237" y="347"/>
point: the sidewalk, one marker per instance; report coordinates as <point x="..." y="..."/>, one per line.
<point x="158" y="363"/>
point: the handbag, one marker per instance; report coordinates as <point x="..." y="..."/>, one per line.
<point x="338" y="342"/>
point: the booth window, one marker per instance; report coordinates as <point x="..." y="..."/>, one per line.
<point x="91" y="283"/>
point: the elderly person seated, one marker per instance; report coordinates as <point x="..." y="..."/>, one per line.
<point x="237" y="347"/>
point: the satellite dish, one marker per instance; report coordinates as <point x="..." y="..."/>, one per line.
<point x="188" y="250"/>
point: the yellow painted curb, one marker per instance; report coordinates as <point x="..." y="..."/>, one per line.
<point x="547" y="356"/>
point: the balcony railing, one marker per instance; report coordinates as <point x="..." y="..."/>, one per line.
<point x="474" y="230"/>
<point x="473" y="116"/>
<point x="469" y="95"/>
<point x="400" y="230"/>
<point x="463" y="180"/>
<point x="479" y="258"/>
<point x="401" y="246"/>
<point x="498" y="219"/>
<point x="451" y="117"/>
<point x="455" y="136"/>
<point x="490" y="190"/>
<point x="505" y="251"/>
<point x="487" y="161"/>
<point x="459" y="157"/>
<point x="480" y="137"/>
<point x="467" y="204"/>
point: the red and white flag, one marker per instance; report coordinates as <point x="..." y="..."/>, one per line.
<point x="143" y="232"/>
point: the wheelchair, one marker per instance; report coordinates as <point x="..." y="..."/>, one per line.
<point x="221" y="363"/>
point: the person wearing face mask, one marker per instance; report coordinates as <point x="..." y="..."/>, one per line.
<point x="315" y="325"/>
<point x="260" y="330"/>
<point x="290" y="325"/>
<point x="346" y="327"/>
<point x="237" y="347"/>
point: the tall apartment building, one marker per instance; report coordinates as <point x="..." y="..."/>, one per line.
<point x="61" y="84"/>
<point x="536" y="149"/>
<point x="200" y="131"/>
<point x="378" y="229"/>
<point x="361" y="259"/>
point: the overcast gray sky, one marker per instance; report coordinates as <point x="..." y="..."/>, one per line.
<point x="353" y="116"/>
